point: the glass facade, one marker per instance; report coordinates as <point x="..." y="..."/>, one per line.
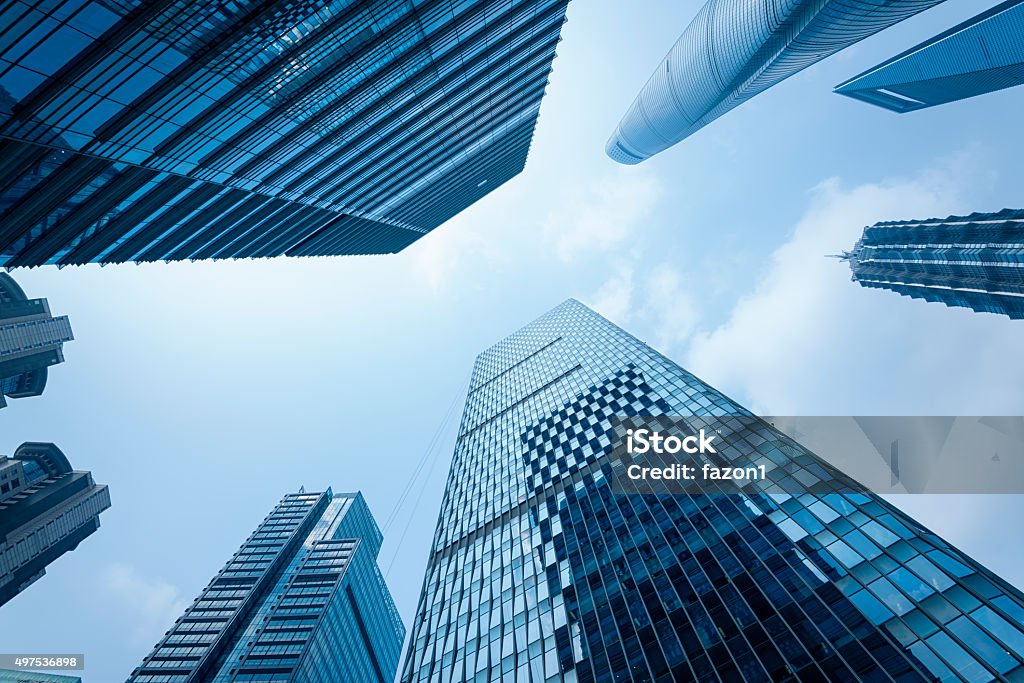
<point x="31" y="340"/>
<point x="29" y="677"/>
<point x="539" y="572"/>
<point x="734" y="50"/>
<point x="46" y="510"/>
<point x="981" y="55"/>
<point x="302" y="601"/>
<point x="974" y="261"/>
<point x="143" y="131"/>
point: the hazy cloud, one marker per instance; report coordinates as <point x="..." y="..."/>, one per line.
<point x="604" y="214"/>
<point x="154" y="602"/>
<point x="657" y="300"/>
<point x="809" y="341"/>
<point x="434" y="259"/>
<point x="669" y="302"/>
<point x="614" y="298"/>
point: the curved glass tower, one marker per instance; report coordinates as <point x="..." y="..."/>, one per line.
<point x="734" y="50"/>
<point x="542" y="571"/>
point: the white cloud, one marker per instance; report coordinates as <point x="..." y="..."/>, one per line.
<point x="530" y="223"/>
<point x="488" y="235"/>
<point x="669" y="303"/>
<point x="436" y="257"/>
<point x="434" y="261"/>
<point x="809" y="341"/>
<point x="154" y="602"/>
<point x="614" y="298"/>
<point x="604" y="214"/>
<point x="660" y="304"/>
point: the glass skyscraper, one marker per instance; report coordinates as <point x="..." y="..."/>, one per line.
<point x="734" y="50"/>
<point x="133" y="130"/>
<point x="301" y="601"/>
<point x="31" y="340"/>
<point x="46" y="510"/>
<point x="540" y="572"/>
<point x="29" y="677"/>
<point x="981" y="55"/>
<point x="974" y="261"/>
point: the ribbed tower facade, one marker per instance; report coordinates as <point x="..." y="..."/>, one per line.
<point x="302" y="601"/>
<point x="735" y="49"/>
<point x="137" y="130"/>
<point x="981" y="55"/>
<point x="974" y="261"/>
<point x="46" y="509"/>
<point x="541" y="572"/>
<point x="31" y="340"/>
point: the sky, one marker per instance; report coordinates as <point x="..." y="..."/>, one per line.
<point x="203" y="392"/>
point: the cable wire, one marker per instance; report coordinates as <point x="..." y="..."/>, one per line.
<point x="431" y="456"/>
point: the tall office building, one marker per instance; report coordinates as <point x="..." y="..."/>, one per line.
<point x="31" y="340"/>
<point x="301" y="601"/>
<point x="974" y="261"/>
<point x="46" y="510"/>
<point x="979" y="56"/>
<point x="30" y="677"/>
<point x="540" y="571"/>
<point x="734" y="50"/>
<point x="137" y="130"/>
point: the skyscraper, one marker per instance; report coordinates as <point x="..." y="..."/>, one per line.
<point x="541" y="572"/>
<point x="144" y="131"/>
<point x="301" y="601"/>
<point x="46" y="510"/>
<point x="974" y="261"/>
<point x="981" y="55"/>
<point x="31" y="340"/>
<point x="733" y="50"/>
<point x="29" y="677"/>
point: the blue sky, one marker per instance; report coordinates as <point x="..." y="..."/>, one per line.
<point x="203" y="392"/>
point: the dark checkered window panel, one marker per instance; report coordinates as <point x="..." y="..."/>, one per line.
<point x="539" y="572"/>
